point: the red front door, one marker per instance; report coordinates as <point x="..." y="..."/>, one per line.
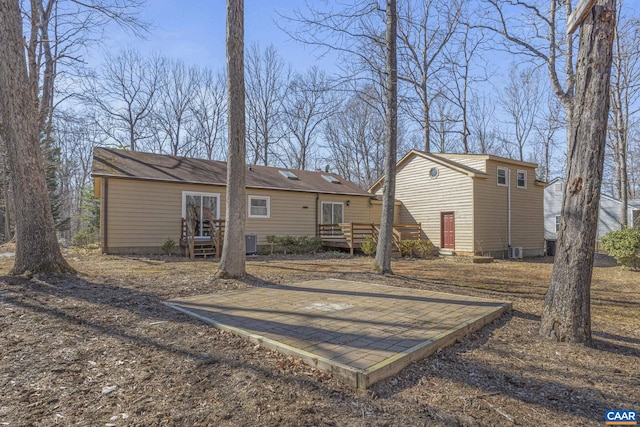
<point x="447" y="230"/>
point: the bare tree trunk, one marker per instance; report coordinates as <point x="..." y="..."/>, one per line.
<point x="37" y="247"/>
<point x="624" y="184"/>
<point x="426" y="124"/>
<point x="566" y="312"/>
<point x="383" y="252"/>
<point x="232" y="261"/>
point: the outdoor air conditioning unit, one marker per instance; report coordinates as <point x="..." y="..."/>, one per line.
<point x="251" y="241"/>
<point x="515" y="252"/>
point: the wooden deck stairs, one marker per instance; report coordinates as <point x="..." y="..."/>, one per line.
<point x="207" y="243"/>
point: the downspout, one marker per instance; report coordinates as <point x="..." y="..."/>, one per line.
<point x="105" y="205"/>
<point x="509" y="208"/>
<point x="317" y="205"/>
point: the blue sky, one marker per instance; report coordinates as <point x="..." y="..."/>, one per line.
<point x="194" y="31"/>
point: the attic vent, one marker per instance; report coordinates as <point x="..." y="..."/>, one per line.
<point x="289" y="175"/>
<point x="331" y="179"/>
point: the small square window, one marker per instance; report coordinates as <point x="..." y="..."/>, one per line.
<point x="522" y="179"/>
<point x="502" y="176"/>
<point x="557" y="187"/>
<point x="259" y="207"/>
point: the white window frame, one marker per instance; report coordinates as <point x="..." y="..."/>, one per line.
<point x="331" y="203"/>
<point x="506" y="176"/>
<point x="202" y="194"/>
<point x="558" y="223"/>
<point x="199" y="193"/>
<point x="557" y="187"/>
<point x="518" y="172"/>
<point x="251" y="198"/>
<point x="335" y="232"/>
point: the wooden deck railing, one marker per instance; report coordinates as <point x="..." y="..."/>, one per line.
<point x="352" y="234"/>
<point x="213" y="231"/>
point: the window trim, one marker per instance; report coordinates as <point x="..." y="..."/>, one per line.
<point x="506" y="176"/>
<point x="199" y="193"/>
<point x="518" y="172"/>
<point x="557" y="187"/>
<point x="185" y="194"/>
<point x="558" y="219"/>
<point x="267" y="198"/>
<point x="322" y="204"/>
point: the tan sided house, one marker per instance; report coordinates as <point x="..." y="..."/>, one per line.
<point x="471" y="203"/>
<point x="145" y="198"/>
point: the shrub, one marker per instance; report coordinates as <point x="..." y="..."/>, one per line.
<point x="83" y="238"/>
<point x="294" y="245"/>
<point x="169" y="246"/>
<point x="369" y="246"/>
<point x="624" y="246"/>
<point x="416" y="248"/>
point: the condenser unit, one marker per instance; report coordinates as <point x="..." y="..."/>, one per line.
<point x="251" y="242"/>
<point x="515" y="252"/>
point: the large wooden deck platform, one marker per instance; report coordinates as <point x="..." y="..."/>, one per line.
<point x="358" y="332"/>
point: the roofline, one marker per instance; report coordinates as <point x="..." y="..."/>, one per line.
<point x="443" y="161"/>
<point x="496" y="158"/>
<point x="605" y="195"/>
<point x="222" y="184"/>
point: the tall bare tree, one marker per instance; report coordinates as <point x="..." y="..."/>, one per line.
<point x="232" y="261"/>
<point x="625" y="95"/>
<point x="444" y="125"/>
<point x="267" y="80"/>
<point x="521" y="101"/>
<point x="37" y="247"/>
<point x="383" y="251"/>
<point x="74" y="137"/>
<point x="551" y="120"/>
<point x="482" y="128"/>
<point x="535" y="30"/>
<point x="354" y="31"/>
<point x="566" y="314"/>
<point x="425" y="28"/>
<point x="173" y="113"/>
<point x="123" y="95"/>
<point x="354" y="140"/>
<point x="59" y="33"/>
<point x="209" y="111"/>
<point x="462" y="61"/>
<point x="308" y="104"/>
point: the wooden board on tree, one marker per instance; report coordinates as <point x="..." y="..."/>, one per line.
<point x="579" y="14"/>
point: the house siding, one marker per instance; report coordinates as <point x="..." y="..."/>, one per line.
<point x="142" y="214"/>
<point x="552" y="208"/>
<point x="608" y="212"/>
<point x="492" y="216"/>
<point x="609" y="216"/>
<point x="478" y="163"/>
<point x="424" y="199"/>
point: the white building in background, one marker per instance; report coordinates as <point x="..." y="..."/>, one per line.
<point x="608" y="214"/>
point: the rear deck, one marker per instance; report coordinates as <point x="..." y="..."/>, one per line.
<point x="351" y="235"/>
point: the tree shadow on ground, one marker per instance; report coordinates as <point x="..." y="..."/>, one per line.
<point x="522" y="384"/>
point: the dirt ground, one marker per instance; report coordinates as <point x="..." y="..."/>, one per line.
<point x="100" y="349"/>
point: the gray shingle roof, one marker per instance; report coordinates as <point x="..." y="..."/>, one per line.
<point x="109" y="162"/>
